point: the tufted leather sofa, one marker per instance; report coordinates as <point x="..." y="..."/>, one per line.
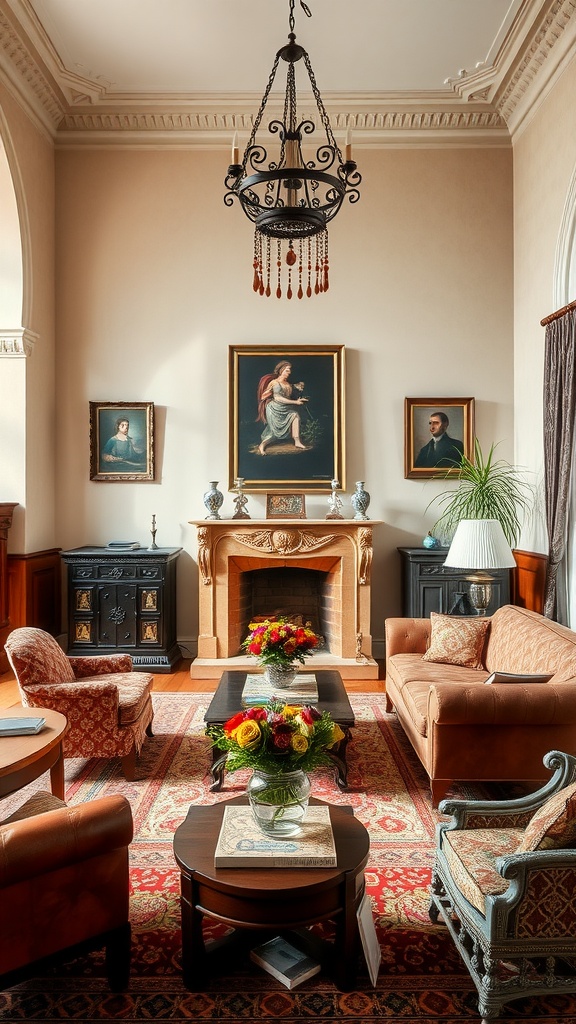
<point x="463" y="730"/>
<point x="64" y="885"/>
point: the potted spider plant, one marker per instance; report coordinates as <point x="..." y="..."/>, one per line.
<point x="488" y="488"/>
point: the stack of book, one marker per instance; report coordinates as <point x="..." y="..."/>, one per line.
<point x="21" y="726"/>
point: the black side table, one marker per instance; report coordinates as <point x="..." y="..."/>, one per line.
<point x="428" y="587"/>
<point x="123" y="602"/>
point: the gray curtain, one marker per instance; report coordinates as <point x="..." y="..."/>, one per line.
<point x="559" y="406"/>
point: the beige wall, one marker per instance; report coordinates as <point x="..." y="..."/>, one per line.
<point x="30" y="424"/>
<point x="544" y="166"/>
<point x="154" y="283"/>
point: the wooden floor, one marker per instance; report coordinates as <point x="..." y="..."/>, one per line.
<point x="179" y="681"/>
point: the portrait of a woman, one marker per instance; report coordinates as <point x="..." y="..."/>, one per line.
<point x="120" y="447"/>
<point x="278" y="408"/>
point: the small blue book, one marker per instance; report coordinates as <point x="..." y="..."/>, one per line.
<point x="21" y="726"/>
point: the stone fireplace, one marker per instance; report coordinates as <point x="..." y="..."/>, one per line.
<point x="319" y="569"/>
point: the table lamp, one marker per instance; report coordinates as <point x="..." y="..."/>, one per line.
<point x="480" y="545"/>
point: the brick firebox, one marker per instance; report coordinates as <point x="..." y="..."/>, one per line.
<point x="334" y="559"/>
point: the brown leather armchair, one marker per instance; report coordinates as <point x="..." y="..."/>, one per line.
<point x="64" y="885"/>
<point x="108" y="706"/>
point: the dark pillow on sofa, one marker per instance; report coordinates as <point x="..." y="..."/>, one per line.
<point x="456" y="641"/>
<point x="519" y="677"/>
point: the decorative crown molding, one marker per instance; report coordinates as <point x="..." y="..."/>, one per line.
<point x="486" y="104"/>
<point x="19" y="342"/>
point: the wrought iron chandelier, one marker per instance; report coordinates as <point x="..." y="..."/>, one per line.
<point x="291" y="200"/>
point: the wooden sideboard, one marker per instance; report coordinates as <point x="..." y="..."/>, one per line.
<point x="6" y="511"/>
<point x="123" y="602"/>
<point x="428" y="587"/>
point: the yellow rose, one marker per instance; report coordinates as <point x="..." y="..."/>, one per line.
<point x="299" y="743"/>
<point x="248" y="734"/>
<point x="337" y="735"/>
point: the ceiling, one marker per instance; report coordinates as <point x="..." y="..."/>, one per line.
<point x="201" y="65"/>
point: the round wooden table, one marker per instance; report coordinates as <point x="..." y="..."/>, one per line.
<point x="25" y="758"/>
<point x="270" y="899"/>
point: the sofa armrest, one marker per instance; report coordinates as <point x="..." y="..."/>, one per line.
<point x="407" y="636"/>
<point x="503" y="704"/>
<point x="55" y="839"/>
<point x="100" y="664"/>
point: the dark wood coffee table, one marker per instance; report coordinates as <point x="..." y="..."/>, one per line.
<point x="269" y="899"/>
<point x="332" y="697"/>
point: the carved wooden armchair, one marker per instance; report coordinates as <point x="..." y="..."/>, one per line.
<point x="108" y="706"/>
<point x="64" y="886"/>
<point x="504" y="884"/>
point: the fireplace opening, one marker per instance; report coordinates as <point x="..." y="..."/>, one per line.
<point x="291" y="592"/>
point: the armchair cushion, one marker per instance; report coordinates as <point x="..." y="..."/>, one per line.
<point x="553" y="825"/>
<point x="456" y="641"/>
<point x="471" y="856"/>
<point x="39" y="659"/>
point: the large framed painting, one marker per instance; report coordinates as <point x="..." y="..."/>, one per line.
<point x="437" y="433"/>
<point x="286" y="416"/>
<point x="121" y="441"/>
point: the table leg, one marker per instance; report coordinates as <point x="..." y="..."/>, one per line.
<point x="57" y="775"/>
<point x="338" y="757"/>
<point x="217" y="772"/>
<point x="194" y="959"/>
<point x="346" y="946"/>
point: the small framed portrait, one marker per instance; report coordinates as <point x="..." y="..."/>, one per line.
<point x="438" y="432"/>
<point x="285" y="506"/>
<point x="121" y="441"/>
<point x="286" y="416"/>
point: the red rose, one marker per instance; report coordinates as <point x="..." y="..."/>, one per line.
<point x="234" y="722"/>
<point x="255" y="647"/>
<point x="256" y="713"/>
<point x="281" y="738"/>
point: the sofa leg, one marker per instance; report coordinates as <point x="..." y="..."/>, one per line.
<point x="129" y="765"/>
<point x="439" y="788"/>
<point x="149" y="729"/>
<point x="388" y="705"/>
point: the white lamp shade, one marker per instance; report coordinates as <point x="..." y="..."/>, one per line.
<point x="480" y="544"/>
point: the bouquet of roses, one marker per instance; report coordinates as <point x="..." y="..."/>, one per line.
<point x="280" y="642"/>
<point x="276" y="737"/>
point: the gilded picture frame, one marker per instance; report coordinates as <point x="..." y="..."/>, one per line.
<point x="121" y="441"/>
<point x="437" y="432"/>
<point x="286" y="417"/>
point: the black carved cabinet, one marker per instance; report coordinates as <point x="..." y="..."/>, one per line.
<point x="123" y="602"/>
<point x="428" y="587"/>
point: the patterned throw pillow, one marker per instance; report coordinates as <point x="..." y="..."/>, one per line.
<point x="552" y="826"/>
<point x="456" y="641"/>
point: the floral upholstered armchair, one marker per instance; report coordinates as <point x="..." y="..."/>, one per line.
<point x="504" y="884"/>
<point x="108" y="706"/>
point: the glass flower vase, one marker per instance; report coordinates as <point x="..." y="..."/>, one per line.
<point x="280" y="677"/>
<point x="279" y="802"/>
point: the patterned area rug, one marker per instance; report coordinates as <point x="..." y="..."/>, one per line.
<point x="421" y="978"/>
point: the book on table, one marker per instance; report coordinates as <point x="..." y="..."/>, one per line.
<point x="283" y="961"/>
<point x="241" y="844"/>
<point x="257" y="690"/>
<point x="21" y="726"/>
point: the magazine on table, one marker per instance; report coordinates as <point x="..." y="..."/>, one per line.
<point x="241" y="844"/>
<point x="304" y="689"/>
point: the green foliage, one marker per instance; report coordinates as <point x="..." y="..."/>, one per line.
<point x="488" y="488"/>
<point x="311" y="432"/>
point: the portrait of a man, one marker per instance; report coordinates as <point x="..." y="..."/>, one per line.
<point x="441" y="450"/>
<point x="437" y="435"/>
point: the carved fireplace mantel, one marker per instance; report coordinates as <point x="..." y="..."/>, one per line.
<point x="339" y="551"/>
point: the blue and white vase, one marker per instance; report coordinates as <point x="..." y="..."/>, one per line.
<point x="360" y="501"/>
<point x="213" y="500"/>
